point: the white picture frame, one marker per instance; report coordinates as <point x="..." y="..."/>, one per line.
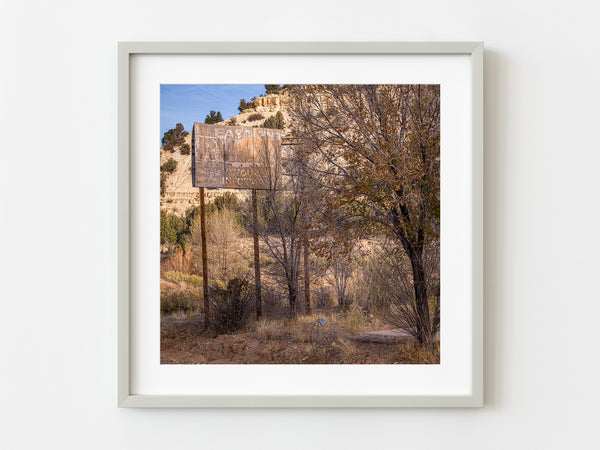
<point x="472" y="270"/>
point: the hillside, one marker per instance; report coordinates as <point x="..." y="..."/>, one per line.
<point x="179" y="193"/>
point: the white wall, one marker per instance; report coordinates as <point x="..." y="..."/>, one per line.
<point x="58" y="224"/>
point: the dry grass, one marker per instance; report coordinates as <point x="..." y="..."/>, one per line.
<point x="178" y="277"/>
<point x="188" y="343"/>
<point x="286" y="341"/>
<point x="338" y="325"/>
<point x="347" y="348"/>
<point x="414" y="353"/>
<point x="179" y="315"/>
<point x="304" y="328"/>
<point x="301" y="332"/>
<point x="266" y="329"/>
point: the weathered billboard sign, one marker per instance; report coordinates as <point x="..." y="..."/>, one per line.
<point x="235" y="157"/>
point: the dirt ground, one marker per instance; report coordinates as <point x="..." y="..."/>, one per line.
<point x="184" y="341"/>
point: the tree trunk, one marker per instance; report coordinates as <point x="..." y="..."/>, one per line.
<point x="293" y="297"/>
<point x="204" y="261"/>
<point x="341" y="300"/>
<point x="306" y="280"/>
<point x="423" y="324"/>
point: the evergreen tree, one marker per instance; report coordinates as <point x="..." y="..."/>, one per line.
<point x="213" y="117"/>
<point x="272" y="88"/>
<point x="275" y="121"/>
<point x="169" y="166"/>
<point x="244" y="105"/>
<point x="174" y="138"/>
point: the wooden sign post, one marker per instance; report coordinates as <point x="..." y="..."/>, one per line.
<point x="233" y="157"/>
<point x="204" y="261"/>
<point x="256" y="255"/>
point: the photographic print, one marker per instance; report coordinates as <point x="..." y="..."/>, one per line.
<point x="299" y="224"/>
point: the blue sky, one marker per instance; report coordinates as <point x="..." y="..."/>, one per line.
<point x="189" y="103"/>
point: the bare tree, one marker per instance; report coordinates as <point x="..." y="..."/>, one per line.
<point x="374" y="151"/>
<point x="281" y="214"/>
<point x="340" y="274"/>
<point x="224" y="236"/>
<point x="341" y="268"/>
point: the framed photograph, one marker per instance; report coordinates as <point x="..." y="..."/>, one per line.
<point x="300" y="224"/>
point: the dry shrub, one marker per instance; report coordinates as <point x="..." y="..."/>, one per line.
<point x="389" y="288"/>
<point x="354" y="320"/>
<point x="323" y="298"/>
<point x="272" y="305"/>
<point x="255" y="116"/>
<point x="230" y="308"/>
<point x="181" y="301"/>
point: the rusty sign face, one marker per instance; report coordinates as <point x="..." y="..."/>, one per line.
<point x="234" y="157"/>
